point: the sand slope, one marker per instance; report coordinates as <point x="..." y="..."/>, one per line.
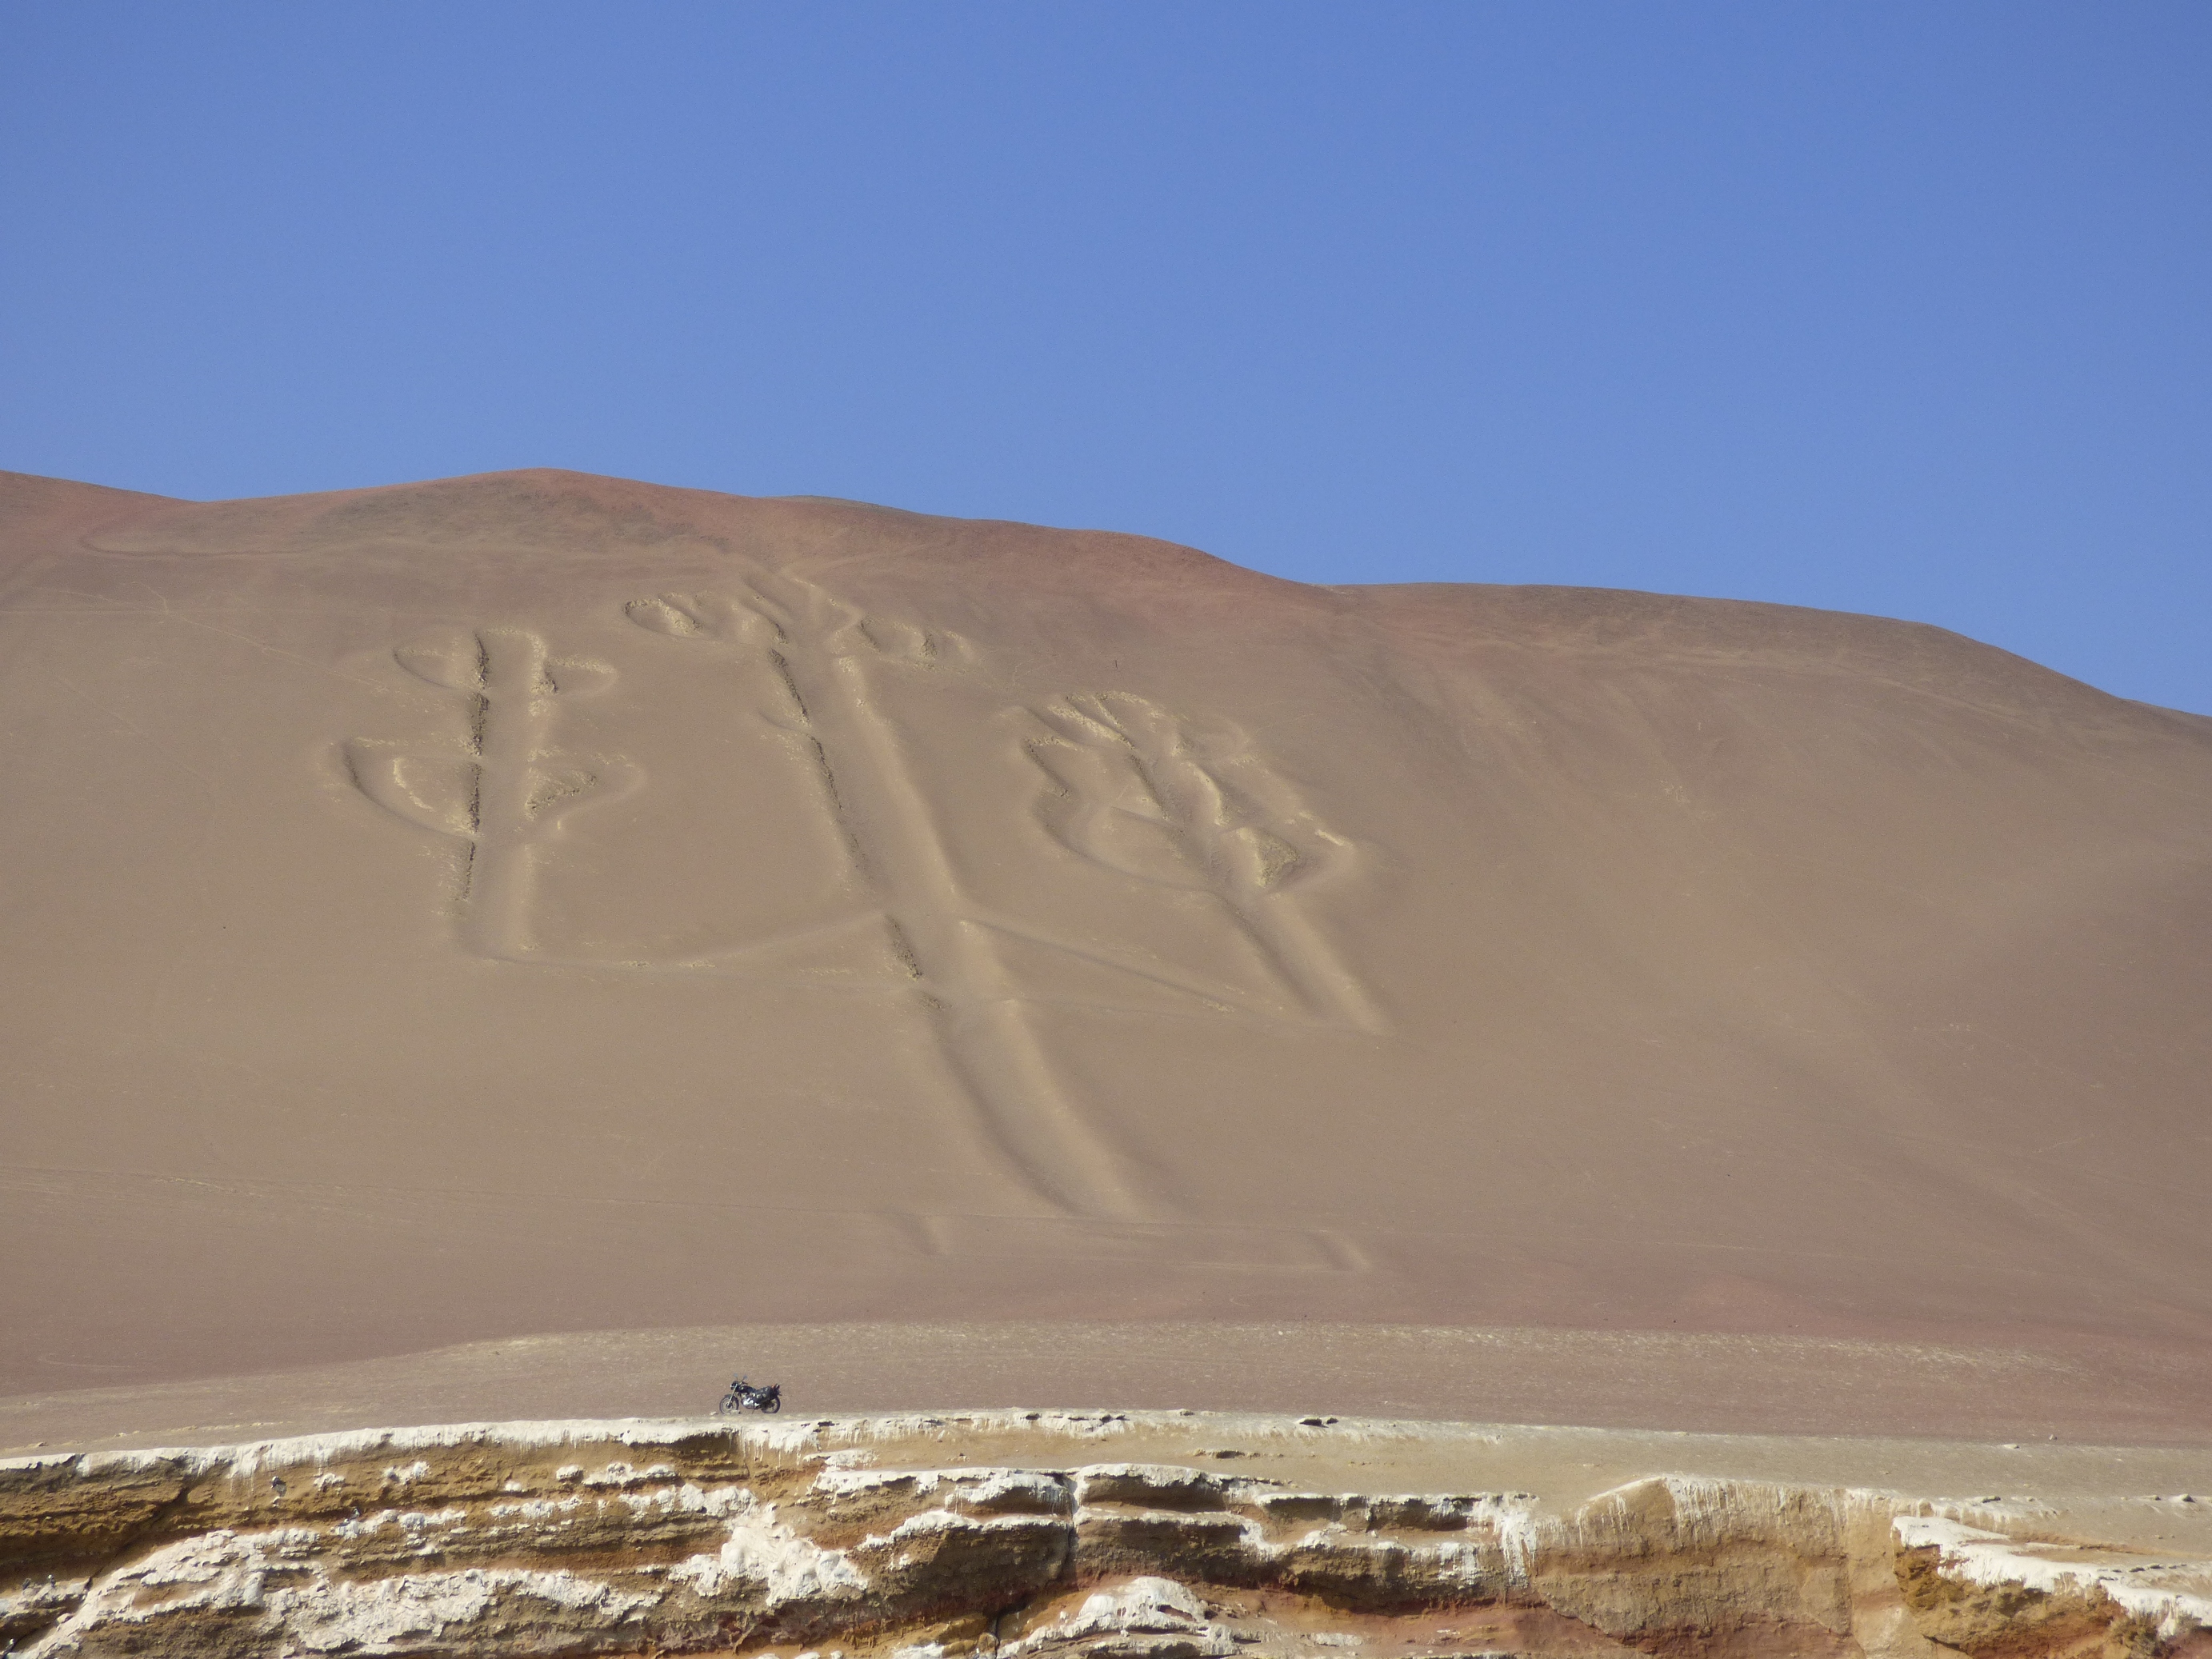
<point x="537" y="902"/>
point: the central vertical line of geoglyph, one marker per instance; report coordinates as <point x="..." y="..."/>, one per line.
<point x="821" y="649"/>
<point x="510" y="715"/>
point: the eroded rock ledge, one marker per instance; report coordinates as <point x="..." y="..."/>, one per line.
<point x="590" y="1538"/>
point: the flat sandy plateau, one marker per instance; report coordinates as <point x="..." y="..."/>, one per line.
<point x="533" y="944"/>
<point x="1826" y="1388"/>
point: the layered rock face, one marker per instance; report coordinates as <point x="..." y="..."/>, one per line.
<point x="573" y="1539"/>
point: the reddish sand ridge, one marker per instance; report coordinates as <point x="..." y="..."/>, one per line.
<point x="538" y="903"/>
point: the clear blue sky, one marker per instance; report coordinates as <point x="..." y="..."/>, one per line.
<point x="1902" y="308"/>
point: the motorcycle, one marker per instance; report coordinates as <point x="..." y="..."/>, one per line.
<point x="746" y="1396"/>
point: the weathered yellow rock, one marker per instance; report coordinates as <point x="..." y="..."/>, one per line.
<point x="607" y="1538"/>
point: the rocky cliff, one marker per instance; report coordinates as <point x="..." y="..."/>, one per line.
<point x="830" y="1536"/>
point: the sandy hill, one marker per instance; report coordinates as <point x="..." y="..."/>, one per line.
<point x="539" y="902"/>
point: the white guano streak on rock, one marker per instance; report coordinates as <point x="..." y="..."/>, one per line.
<point x="228" y="1571"/>
<point x="1148" y="1604"/>
<point x="381" y="1616"/>
<point x="762" y="1554"/>
<point x="1991" y="1559"/>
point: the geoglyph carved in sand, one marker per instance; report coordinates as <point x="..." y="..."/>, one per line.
<point x="821" y="649"/>
<point x="1190" y="807"/>
<point x="512" y="790"/>
<point x="1175" y="805"/>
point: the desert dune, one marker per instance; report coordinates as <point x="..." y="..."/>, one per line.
<point x="539" y="906"/>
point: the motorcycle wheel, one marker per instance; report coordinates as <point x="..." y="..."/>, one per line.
<point x="730" y="1407"/>
<point x="775" y="1403"/>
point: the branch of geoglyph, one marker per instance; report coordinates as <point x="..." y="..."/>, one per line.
<point x="512" y="684"/>
<point x="1130" y="773"/>
<point x="777" y="613"/>
<point x="1142" y="792"/>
